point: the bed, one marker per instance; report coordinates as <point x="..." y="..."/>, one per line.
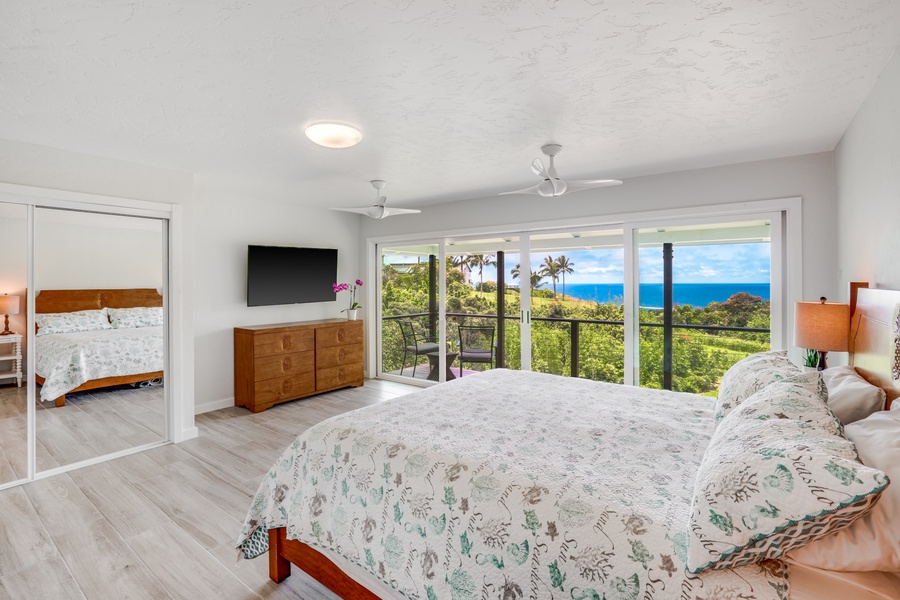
<point x="84" y="357"/>
<point x="566" y="489"/>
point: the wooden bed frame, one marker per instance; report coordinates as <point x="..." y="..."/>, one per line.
<point x="872" y="352"/>
<point x="54" y="301"/>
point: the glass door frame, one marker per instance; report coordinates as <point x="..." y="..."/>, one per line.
<point x="786" y="277"/>
<point x="173" y="273"/>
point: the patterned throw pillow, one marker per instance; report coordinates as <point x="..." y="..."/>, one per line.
<point x="801" y="397"/>
<point x="72" y="322"/>
<point x="765" y="488"/>
<point x="141" y="316"/>
<point x="748" y="376"/>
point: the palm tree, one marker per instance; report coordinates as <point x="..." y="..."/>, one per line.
<point x="564" y="266"/>
<point x="461" y="262"/>
<point x="535" y="276"/>
<point x="550" y="269"/>
<point x="480" y="261"/>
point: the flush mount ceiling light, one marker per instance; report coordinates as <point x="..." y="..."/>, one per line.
<point x="334" y="135"/>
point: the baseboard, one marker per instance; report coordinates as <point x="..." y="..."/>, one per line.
<point x="189" y="434"/>
<point x="214" y="405"/>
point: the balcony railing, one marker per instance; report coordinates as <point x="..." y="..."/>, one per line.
<point x="575" y="330"/>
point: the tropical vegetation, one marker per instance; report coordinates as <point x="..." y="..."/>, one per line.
<point x="700" y="356"/>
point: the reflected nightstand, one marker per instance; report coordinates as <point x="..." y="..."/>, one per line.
<point x="11" y="357"/>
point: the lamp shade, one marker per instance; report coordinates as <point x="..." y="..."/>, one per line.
<point x="9" y="305"/>
<point x="823" y="326"/>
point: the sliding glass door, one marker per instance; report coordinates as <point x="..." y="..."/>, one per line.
<point x="409" y="310"/>
<point x="577" y="304"/>
<point x="703" y="300"/>
<point x="669" y="304"/>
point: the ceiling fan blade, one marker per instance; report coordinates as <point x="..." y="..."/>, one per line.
<point x="361" y="211"/>
<point x="589" y="184"/>
<point x="390" y="212"/>
<point x="529" y="190"/>
<point x="559" y="186"/>
<point x="538" y="168"/>
<point x="376" y="212"/>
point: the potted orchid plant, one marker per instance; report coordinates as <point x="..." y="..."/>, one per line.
<point x="354" y="305"/>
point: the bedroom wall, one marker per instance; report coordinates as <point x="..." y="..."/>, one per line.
<point x="867" y="182"/>
<point x="810" y="177"/>
<point x="230" y="221"/>
<point x="83" y="251"/>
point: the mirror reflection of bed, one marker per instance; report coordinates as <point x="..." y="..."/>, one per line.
<point x="98" y="335"/>
<point x="99" y="358"/>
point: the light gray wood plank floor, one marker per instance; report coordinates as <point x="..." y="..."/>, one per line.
<point x="91" y="424"/>
<point x="162" y="523"/>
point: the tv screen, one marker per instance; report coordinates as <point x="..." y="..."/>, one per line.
<point x="283" y="275"/>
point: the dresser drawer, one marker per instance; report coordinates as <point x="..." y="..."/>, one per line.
<point x="271" y="391"/>
<point x="268" y="344"/>
<point x="282" y="365"/>
<point x="336" y="377"/>
<point x="341" y="335"/>
<point x="339" y="355"/>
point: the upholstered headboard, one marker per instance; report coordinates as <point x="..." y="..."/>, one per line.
<point x="52" y="301"/>
<point x="874" y="339"/>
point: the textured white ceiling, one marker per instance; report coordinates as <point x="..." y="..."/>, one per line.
<point x="454" y="97"/>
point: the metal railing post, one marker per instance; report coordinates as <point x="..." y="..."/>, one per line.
<point x="432" y="296"/>
<point x="574" y="334"/>
<point x="667" y="316"/>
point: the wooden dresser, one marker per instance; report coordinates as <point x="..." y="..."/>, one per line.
<point x="277" y="363"/>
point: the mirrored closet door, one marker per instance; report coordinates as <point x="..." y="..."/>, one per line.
<point x="99" y="335"/>
<point x="13" y="288"/>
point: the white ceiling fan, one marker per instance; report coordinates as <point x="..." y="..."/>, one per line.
<point x="379" y="210"/>
<point x="552" y="185"/>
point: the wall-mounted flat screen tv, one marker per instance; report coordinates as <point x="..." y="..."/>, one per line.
<point x="284" y="275"/>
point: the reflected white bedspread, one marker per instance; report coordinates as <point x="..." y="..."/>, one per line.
<point x="67" y="360"/>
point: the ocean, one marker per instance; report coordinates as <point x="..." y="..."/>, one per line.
<point x="695" y="294"/>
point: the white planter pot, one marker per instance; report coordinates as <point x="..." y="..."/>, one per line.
<point x="351" y="314"/>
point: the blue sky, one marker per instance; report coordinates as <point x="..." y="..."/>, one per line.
<point x="727" y="263"/>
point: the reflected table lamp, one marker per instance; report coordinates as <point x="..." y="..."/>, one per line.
<point x="822" y="326"/>
<point x="9" y="305"/>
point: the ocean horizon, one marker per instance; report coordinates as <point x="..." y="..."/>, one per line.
<point x="651" y="294"/>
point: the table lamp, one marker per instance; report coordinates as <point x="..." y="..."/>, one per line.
<point x="822" y="326"/>
<point x="9" y="305"/>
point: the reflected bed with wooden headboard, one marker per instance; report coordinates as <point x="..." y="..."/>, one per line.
<point x="64" y="301"/>
<point x="345" y="569"/>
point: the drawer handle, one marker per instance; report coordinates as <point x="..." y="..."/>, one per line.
<point x="341" y="355"/>
<point x="341" y="335"/>
<point x="286" y="342"/>
<point x="341" y="375"/>
<point x="286" y="386"/>
<point x="286" y="364"/>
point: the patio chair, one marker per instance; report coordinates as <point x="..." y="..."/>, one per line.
<point x="414" y="343"/>
<point x="476" y="345"/>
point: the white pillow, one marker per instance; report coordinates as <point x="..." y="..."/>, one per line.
<point x="873" y="542"/>
<point x="72" y="322"/>
<point x="139" y="316"/>
<point x="851" y="397"/>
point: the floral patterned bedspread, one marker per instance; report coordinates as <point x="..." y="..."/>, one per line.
<point x="508" y="485"/>
<point x="66" y="360"/>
